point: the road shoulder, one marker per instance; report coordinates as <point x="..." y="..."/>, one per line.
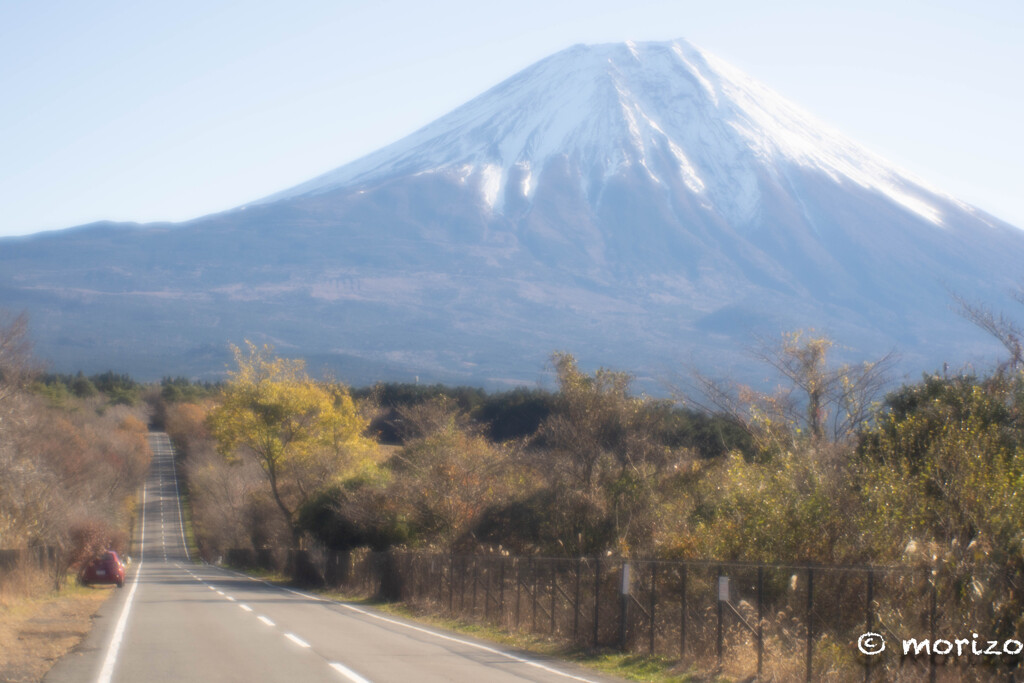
<point x="88" y="654"/>
<point x="37" y="633"/>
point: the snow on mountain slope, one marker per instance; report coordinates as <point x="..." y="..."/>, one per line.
<point x="611" y="107"/>
<point x="640" y="205"/>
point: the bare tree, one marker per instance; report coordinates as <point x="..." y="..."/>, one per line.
<point x="835" y="401"/>
<point x="825" y="403"/>
<point x="15" y="353"/>
<point x="1006" y="331"/>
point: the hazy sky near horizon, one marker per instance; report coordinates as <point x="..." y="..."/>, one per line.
<point x="150" y="112"/>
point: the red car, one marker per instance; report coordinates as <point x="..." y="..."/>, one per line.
<point x="107" y="568"/>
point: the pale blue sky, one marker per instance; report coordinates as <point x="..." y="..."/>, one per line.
<point x="166" y="111"/>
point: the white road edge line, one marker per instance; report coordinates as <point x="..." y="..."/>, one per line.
<point x="442" y="636"/>
<point x="245" y="607"/>
<point x="348" y="673"/>
<point x="266" y="621"/>
<point x="517" y="658"/>
<point x="295" y="639"/>
<point x="115" y="640"/>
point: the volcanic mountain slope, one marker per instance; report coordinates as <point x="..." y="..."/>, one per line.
<point x="641" y="205"/>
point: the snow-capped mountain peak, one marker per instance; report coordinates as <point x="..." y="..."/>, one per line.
<point x="639" y="204"/>
<point x="669" y="110"/>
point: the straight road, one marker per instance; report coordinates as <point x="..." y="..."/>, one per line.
<point x="179" y="621"/>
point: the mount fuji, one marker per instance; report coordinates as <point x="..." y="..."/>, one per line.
<point x="643" y="205"/>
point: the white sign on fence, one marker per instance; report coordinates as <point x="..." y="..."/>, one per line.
<point x="723" y="588"/>
<point x="625" y="578"/>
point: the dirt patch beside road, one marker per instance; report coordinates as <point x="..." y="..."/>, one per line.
<point x="35" y="633"/>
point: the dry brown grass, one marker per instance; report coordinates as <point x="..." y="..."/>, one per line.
<point x="37" y="626"/>
<point x="21" y="584"/>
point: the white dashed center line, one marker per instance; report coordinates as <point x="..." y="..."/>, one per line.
<point x="348" y="673"/>
<point x="344" y="671"/>
<point x="295" y="639"/>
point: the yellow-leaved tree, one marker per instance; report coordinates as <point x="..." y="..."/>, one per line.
<point x="305" y="435"/>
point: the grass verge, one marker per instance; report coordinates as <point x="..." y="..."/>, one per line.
<point x="37" y="630"/>
<point x="185" y="500"/>
<point x="633" y="667"/>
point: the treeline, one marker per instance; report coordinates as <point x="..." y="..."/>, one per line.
<point x="119" y="389"/>
<point x="519" y="414"/>
<point x="437" y="466"/>
<point x="836" y="467"/>
<point x="71" y="458"/>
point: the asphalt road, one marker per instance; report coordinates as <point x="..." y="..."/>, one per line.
<point x="179" y="621"/>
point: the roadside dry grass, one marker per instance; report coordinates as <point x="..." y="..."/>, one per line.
<point x="186" y="519"/>
<point x="634" y="667"/>
<point x="38" y="626"/>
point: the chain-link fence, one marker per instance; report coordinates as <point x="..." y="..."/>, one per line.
<point x="763" y="621"/>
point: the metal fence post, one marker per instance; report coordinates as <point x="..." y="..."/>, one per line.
<point x="597" y="598"/>
<point x="718" y="626"/>
<point x="760" y="621"/>
<point x="519" y="585"/>
<point x="869" y="618"/>
<point x="932" y="626"/>
<point x="476" y="581"/>
<point x="682" y="611"/>
<point x="810" y="623"/>
<point x="487" y="590"/>
<point x="440" y="582"/>
<point x="501" y="590"/>
<point x="412" y="581"/>
<point x="535" y="575"/>
<point x="624" y="594"/>
<point x="653" y="603"/>
<point x="576" y="604"/>
<point x="462" y="585"/>
<point x="451" y="585"/>
<point x="554" y="588"/>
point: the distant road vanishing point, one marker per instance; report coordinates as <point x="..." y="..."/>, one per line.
<point x="179" y="621"/>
